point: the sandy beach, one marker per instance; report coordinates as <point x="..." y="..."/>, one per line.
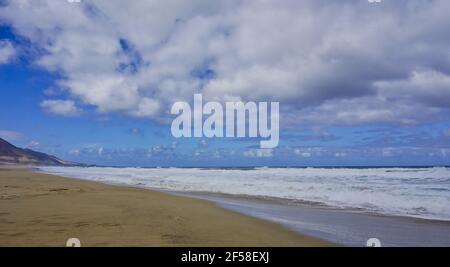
<point x="45" y="210"/>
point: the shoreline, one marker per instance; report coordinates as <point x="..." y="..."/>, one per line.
<point x="366" y="190"/>
<point x="344" y="226"/>
<point x="45" y="210"/>
<point x="300" y="203"/>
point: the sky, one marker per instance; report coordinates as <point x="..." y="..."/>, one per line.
<point x="358" y="83"/>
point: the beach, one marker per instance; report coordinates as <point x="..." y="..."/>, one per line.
<point x="46" y="210"/>
<point x="347" y="206"/>
<point x="347" y="227"/>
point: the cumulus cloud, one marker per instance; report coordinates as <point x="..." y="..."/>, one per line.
<point x="347" y="62"/>
<point x="7" y="51"/>
<point x="430" y="88"/>
<point x="61" y="107"/>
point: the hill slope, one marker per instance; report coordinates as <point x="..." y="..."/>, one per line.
<point x="10" y="154"/>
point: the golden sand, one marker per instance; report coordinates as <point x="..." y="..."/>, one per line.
<point x="46" y="210"/>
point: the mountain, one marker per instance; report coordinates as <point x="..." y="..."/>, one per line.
<point x="10" y="154"/>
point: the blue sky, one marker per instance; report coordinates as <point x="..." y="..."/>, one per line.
<point x="78" y="89"/>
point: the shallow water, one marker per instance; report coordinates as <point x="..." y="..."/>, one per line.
<point x="346" y="227"/>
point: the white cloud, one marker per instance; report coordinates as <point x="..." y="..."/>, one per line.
<point x="326" y="61"/>
<point x="61" y="107"/>
<point x="74" y="152"/>
<point x="431" y="88"/>
<point x="10" y="135"/>
<point x="146" y="108"/>
<point x="100" y="151"/>
<point x="340" y="154"/>
<point x="258" y="153"/>
<point x="7" y="51"/>
<point x="302" y="153"/>
<point x="33" y="144"/>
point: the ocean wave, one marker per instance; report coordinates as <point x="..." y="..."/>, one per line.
<point x="416" y="192"/>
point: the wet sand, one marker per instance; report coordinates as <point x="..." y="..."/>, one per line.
<point x="342" y="226"/>
<point x="46" y="210"/>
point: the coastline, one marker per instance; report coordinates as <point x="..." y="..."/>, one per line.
<point x="45" y="210"/>
<point x="419" y="193"/>
<point x="340" y="226"/>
